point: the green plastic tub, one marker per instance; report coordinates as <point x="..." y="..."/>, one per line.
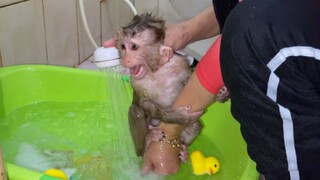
<point x="56" y="117"/>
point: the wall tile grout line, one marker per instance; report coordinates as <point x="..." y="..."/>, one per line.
<point x="14" y="3"/>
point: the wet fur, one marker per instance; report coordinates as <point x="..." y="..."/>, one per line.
<point x="139" y="44"/>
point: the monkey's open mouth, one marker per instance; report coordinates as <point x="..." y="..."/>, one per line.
<point x="134" y="71"/>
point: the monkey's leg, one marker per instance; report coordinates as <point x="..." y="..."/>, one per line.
<point x="138" y="123"/>
<point x="191" y="132"/>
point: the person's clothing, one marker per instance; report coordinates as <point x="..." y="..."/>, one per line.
<point x="222" y="9"/>
<point x="208" y="69"/>
<point x="270" y="62"/>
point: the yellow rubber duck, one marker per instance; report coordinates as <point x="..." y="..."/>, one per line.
<point x="202" y="165"/>
<point x="56" y="173"/>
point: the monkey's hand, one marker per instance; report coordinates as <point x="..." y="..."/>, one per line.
<point x="180" y="115"/>
<point x="154" y="134"/>
<point x="223" y="95"/>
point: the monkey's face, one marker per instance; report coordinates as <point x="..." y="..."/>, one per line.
<point x="133" y="59"/>
<point x="139" y="55"/>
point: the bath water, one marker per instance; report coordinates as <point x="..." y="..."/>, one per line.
<point x="87" y="140"/>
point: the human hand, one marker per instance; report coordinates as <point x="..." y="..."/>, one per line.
<point x="109" y="43"/>
<point x="163" y="148"/>
<point x="202" y="26"/>
<point x="161" y="158"/>
<point x="176" y="36"/>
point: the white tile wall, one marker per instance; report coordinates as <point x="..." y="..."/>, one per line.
<point x="22" y="35"/>
<point x="0" y="60"/>
<point x="9" y="2"/>
<point x="149" y="6"/>
<point x="114" y="15"/>
<point x="61" y="32"/>
<point x="51" y="31"/>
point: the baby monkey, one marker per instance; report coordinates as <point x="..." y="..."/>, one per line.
<point x="157" y="77"/>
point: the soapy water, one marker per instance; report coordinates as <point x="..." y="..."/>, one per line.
<point x="87" y="140"/>
<point x="78" y="138"/>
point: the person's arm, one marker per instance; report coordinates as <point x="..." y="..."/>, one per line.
<point x="205" y="83"/>
<point x="202" y="26"/>
<point x="194" y="95"/>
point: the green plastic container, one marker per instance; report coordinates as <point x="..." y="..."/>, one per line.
<point x="29" y="84"/>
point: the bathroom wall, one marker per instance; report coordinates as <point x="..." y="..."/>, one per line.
<point x="51" y="31"/>
<point x="0" y="60"/>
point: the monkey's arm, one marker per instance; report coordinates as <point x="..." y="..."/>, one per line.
<point x="180" y="115"/>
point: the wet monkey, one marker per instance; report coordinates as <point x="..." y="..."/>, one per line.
<point x="157" y="77"/>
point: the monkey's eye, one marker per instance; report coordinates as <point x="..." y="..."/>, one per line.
<point x="134" y="47"/>
<point x="123" y="47"/>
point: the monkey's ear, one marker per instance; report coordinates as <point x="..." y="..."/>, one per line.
<point x="166" y="53"/>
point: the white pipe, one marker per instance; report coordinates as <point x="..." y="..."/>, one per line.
<point x="85" y="23"/>
<point x="133" y="9"/>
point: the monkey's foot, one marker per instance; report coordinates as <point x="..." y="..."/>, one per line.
<point x="183" y="154"/>
<point x="223" y="95"/>
<point x="155" y="122"/>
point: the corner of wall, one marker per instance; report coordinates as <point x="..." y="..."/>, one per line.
<point x="0" y="59"/>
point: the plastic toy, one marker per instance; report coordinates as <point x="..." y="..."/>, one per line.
<point x="56" y="173"/>
<point x="202" y="165"/>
